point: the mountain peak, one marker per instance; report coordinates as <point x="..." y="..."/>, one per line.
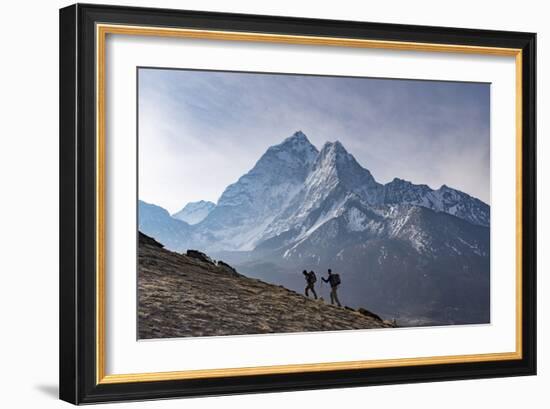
<point x="334" y="154"/>
<point x="336" y="166"/>
<point x="298" y="141"/>
<point x="294" y="151"/>
<point x="298" y="135"/>
<point x="335" y="146"/>
<point x="195" y="212"/>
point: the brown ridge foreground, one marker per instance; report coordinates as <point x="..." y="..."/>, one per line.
<point x="182" y="296"/>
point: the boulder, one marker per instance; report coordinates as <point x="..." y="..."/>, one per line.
<point x="367" y="313"/>
<point x="199" y="255"/>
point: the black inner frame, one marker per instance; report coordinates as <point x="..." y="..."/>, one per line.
<point x="78" y="212"/>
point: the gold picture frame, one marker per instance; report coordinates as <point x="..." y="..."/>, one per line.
<point x="98" y="20"/>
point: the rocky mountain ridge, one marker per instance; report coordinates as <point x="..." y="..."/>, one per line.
<point x="194" y="212"/>
<point x="293" y="186"/>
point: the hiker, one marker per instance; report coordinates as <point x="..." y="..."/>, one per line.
<point x="311" y="278"/>
<point x="334" y="280"/>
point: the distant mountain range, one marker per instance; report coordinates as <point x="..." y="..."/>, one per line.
<point x="195" y="212"/>
<point x="412" y="253"/>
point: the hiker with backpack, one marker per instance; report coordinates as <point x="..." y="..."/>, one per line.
<point x="334" y="281"/>
<point x="311" y="279"/>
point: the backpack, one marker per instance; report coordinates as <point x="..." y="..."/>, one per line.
<point x="311" y="278"/>
<point x="335" y="279"/>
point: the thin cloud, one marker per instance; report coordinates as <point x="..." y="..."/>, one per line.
<point x="200" y="130"/>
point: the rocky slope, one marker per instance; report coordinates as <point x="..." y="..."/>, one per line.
<point x="182" y="296"/>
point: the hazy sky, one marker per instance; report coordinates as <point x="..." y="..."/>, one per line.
<point x="199" y="131"/>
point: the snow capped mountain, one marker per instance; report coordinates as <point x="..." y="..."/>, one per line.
<point x="338" y="185"/>
<point x="249" y="205"/>
<point x="195" y="212"/>
<point x="334" y="178"/>
<point x="402" y="191"/>
<point x="336" y="165"/>
<point x="294" y="189"/>
<point x="335" y="168"/>
<point x="444" y="199"/>
<point x="353" y="221"/>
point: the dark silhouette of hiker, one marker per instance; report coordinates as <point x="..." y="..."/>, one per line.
<point x="334" y="281"/>
<point x="311" y="278"/>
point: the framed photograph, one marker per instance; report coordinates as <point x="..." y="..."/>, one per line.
<point x="257" y="203"/>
